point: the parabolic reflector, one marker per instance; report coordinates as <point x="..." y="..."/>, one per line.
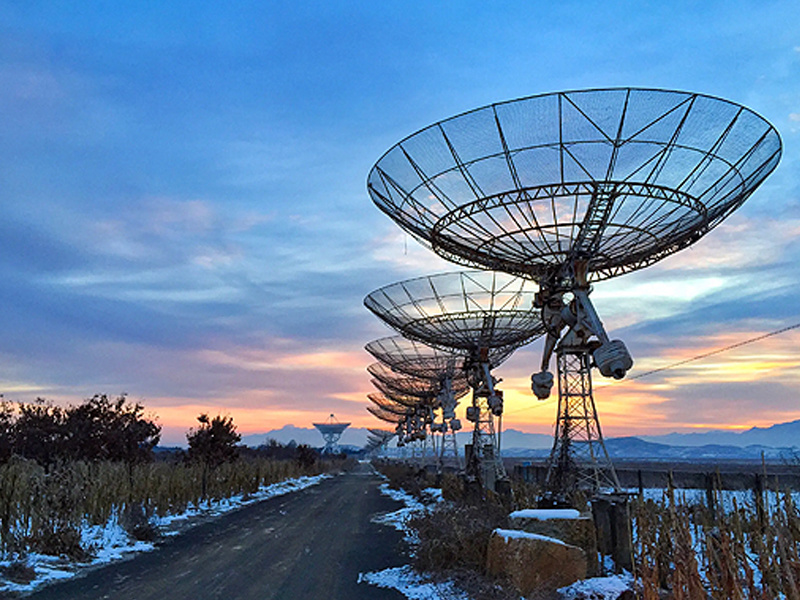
<point x="466" y="310"/>
<point x="385" y="415"/>
<point x="619" y="178"/>
<point x="421" y="360"/>
<point x="410" y="385"/>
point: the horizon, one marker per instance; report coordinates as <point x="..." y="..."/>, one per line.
<point x="186" y="217"/>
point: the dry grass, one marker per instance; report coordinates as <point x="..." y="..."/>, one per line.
<point x="693" y="552"/>
<point x="43" y="510"/>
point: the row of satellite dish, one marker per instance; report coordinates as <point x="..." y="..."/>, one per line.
<point x="544" y="195"/>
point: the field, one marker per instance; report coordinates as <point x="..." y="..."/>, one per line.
<point x="696" y="542"/>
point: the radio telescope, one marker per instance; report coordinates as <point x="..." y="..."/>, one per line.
<point x="378" y="440"/>
<point x="420" y="360"/>
<point x="570" y="188"/>
<point x="471" y="312"/>
<point x="331" y="431"/>
<point x="440" y="392"/>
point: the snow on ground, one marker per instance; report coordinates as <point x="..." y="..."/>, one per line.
<point x="405" y="579"/>
<point x="544" y="514"/>
<point x="110" y="542"/>
<point x="412" y="585"/>
<point x="598" y="588"/>
<point x="400" y="517"/>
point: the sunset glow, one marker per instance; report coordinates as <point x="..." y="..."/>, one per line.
<point x="185" y="217"/>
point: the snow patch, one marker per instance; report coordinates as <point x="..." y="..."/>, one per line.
<point x="544" y="514"/>
<point x="508" y="534"/>
<point x="598" y="588"/>
<point x="409" y="583"/>
<point x="399" y="518"/>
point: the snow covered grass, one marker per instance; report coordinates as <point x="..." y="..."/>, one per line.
<point x="110" y="541"/>
<point x="406" y="580"/>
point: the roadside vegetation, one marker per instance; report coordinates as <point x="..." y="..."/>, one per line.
<point x="686" y="546"/>
<point x="65" y="469"/>
<point x="725" y="547"/>
<point x="452" y="537"/>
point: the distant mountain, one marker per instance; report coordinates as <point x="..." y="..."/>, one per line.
<point x="357" y="436"/>
<point x="633" y="447"/>
<point x="774" y="442"/>
<point x="353" y="436"/>
<point x="782" y="435"/>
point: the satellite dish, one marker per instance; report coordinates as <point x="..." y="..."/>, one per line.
<point x="424" y="388"/>
<point x="566" y="189"/>
<point x="386" y="415"/>
<point x="485" y="315"/>
<point x="401" y="358"/>
<point x="421" y="360"/>
<point x="463" y="311"/>
<point x="616" y="178"/>
<point x="331" y="431"/>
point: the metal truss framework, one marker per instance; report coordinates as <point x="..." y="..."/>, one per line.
<point x="578" y="459"/>
<point x="514" y="186"/>
<point x="483" y="461"/>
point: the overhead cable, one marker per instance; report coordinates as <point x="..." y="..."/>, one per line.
<point x="717" y="351"/>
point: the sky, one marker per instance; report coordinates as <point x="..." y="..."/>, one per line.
<point x="184" y="215"/>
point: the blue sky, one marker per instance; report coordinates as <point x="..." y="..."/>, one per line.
<point x="184" y="214"/>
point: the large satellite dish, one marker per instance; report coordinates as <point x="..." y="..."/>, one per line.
<point x="565" y="189"/>
<point x="618" y="178"/>
<point x="467" y="310"/>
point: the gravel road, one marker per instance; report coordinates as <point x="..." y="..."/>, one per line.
<point x="307" y="544"/>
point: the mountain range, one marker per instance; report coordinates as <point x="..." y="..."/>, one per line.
<point x="778" y="441"/>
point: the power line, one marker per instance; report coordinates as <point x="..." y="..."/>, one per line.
<point x="688" y="360"/>
<point x="717" y="351"/>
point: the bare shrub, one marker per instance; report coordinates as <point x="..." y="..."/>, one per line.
<point x="456" y="535"/>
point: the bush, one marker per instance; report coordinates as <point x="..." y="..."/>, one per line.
<point x="405" y="477"/>
<point x="454" y="536"/>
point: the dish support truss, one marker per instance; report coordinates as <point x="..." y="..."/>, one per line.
<point x="448" y="449"/>
<point x="483" y="461"/>
<point x="578" y="459"/>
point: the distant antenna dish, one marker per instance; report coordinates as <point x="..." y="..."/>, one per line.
<point x="331" y="431"/>
<point x="421" y="360"/>
<point x="386" y="415"/>
<point x="420" y="387"/>
<point x="569" y="188"/>
<point x="398" y="355"/>
<point x="483" y="314"/>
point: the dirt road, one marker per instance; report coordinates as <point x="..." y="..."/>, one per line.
<point x="307" y="544"/>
